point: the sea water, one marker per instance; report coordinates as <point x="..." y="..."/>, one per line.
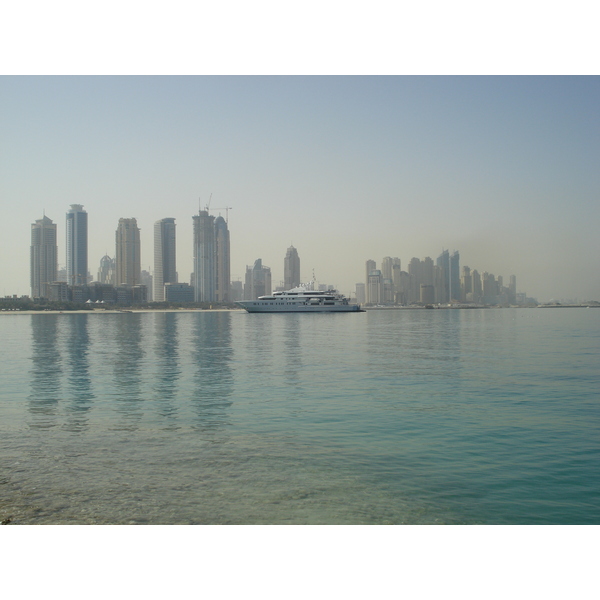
<point x="485" y="416"/>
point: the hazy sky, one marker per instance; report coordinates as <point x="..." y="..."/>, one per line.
<point x="503" y="169"/>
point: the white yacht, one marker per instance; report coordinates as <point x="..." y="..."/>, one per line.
<point x="301" y="299"/>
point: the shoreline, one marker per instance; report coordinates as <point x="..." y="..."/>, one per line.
<point x="109" y="311"/>
<point x="101" y="311"/>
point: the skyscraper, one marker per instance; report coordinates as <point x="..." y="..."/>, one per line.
<point x="454" y="277"/>
<point x="477" y="286"/>
<point x="415" y="272"/>
<point x="258" y="281"/>
<point x="386" y="267"/>
<point x="43" y="257"/>
<point x="146" y="280"/>
<point x="204" y="257"/>
<point x="512" y="286"/>
<point x="361" y="293"/>
<point x="490" y="288"/>
<point x="375" y="287"/>
<point x="443" y="287"/>
<point x="106" y="272"/>
<point x="427" y="271"/>
<point x="291" y="269"/>
<point x="77" y="245"/>
<point x="390" y="269"/>
<point x="466" y="284"/>
<point x="370" y="266"/>
<point x="222" y="261"/>
<point x="164" y="257"/>
<point x="127" y="258"/>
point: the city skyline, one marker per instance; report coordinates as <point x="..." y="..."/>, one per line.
<point x="502" y="168"/>
<point x="211" y="238"/>
<point x="422" y="282"/>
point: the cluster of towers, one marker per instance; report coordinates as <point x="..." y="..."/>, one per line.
<point x="426" y="282"/>
<point x="120" y="279"/>
<point x="122" y="274"/>
<point x="258" y="277"/>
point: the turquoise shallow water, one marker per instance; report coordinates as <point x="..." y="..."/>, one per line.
<point x="400" y="416"/>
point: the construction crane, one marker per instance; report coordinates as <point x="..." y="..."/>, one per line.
<point x="225" y="208"/>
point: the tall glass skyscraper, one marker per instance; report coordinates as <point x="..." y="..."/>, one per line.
<point x="127" y="258"/>
<point x="43" y="257"/>
<point x="222" y="261"/>
<point x="454" y="278"/>
<point x="165" y="270"/>
<point x="370" y="266"/>
<point x="443" y="291"/>
<point x="77" y="245"/>
<point x="204" y="257"/>
<point x="212" y="280"/>
<point x="291" y="269"/>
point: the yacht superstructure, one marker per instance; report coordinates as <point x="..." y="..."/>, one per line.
<point x="301" y="299"/>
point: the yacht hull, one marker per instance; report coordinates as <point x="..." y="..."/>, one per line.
<point x="257" y="307"/>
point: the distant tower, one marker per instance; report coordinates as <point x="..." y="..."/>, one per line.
<point x="237" y="290"/>
<point x="204" y="257"/>
<point x="258" y="281"/>
<point x="164" y="257"/>
<point x="443" y="287"/>
<point x="466" y="284"/>
<point x="370" y="266"/>
<point x="427" y="271"/>
<point x="127" y="259"/>
<point x="361" y="295"/>
<point x="477" y="286"/>
<point x="43" y="257"/>
<point x="222" y="261"/>
<point x="375" y="287"/>
<point x="415" y="273"/>
<point x="106" y="272"/>
<point x="386" y="267"/>
<point x="390" y="269"/>
<point x="455" y="277"/>
<point x="146" y="280"/>
<point x="291" y="269"/>
<point x="512" y="286"/>
<point x="77" y="245"/>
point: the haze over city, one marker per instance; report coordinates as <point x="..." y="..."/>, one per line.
<point x="502" y="169"/>
<point x="353" y="132"/>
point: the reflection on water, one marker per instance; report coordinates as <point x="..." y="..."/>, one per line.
<point x="126" y="333"/>
<point x="141" y="367"/>
<point x="167" y="368"/>
<point x="292" y="350"/>
<point x="211" y="353"/>
<point x="390" y="416"/>
<point x="258" y="340"/>
<point x="416" y="351"/>
<point x="46" y="372"/>
<point x="78" y="392"/>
